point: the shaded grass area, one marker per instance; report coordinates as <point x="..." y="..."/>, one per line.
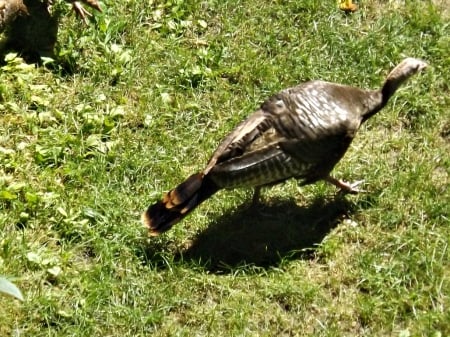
<point x="266" y="235"/>
<point x="152" y="88"/>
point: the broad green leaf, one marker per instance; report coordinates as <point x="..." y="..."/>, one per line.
<point x="9" y="288"/>
<point x="6" y="195"/>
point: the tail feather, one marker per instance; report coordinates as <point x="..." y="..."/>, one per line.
<point x="178" y="203"/>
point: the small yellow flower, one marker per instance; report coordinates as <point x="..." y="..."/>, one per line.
<point x="347" y="5"/>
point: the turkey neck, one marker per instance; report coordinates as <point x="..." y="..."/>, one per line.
<point x="389" y="88"/>
<point x="379" y="98"/>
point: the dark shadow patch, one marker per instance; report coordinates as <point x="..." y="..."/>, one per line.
<point x="264" y="236"/>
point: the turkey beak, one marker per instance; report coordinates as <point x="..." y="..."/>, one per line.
<point x="423" y="65"/>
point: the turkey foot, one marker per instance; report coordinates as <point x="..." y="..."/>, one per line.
<point x="344" y="186"/>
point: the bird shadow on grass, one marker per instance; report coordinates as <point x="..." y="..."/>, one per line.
<point x="265" y="235"/>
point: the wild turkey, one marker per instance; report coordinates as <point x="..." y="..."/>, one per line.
<point x="32" y="27"/>
<point x="300" y="133"/>
<point x="10" y="9"/>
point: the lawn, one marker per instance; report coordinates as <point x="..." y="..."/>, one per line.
<point x="138" y="99"/>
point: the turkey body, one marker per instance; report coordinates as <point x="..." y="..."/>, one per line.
<point x="301" y="132"/>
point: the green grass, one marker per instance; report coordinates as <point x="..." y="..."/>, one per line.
<point x="146" y="92"/>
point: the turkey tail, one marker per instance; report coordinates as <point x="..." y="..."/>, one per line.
<point x="178" y="203"/>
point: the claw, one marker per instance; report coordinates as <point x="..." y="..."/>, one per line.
<point x="79" y="9"/>
<point x="346" y="187"/>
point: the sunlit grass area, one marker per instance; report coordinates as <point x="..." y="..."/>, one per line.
<point x="138" y="100"/>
